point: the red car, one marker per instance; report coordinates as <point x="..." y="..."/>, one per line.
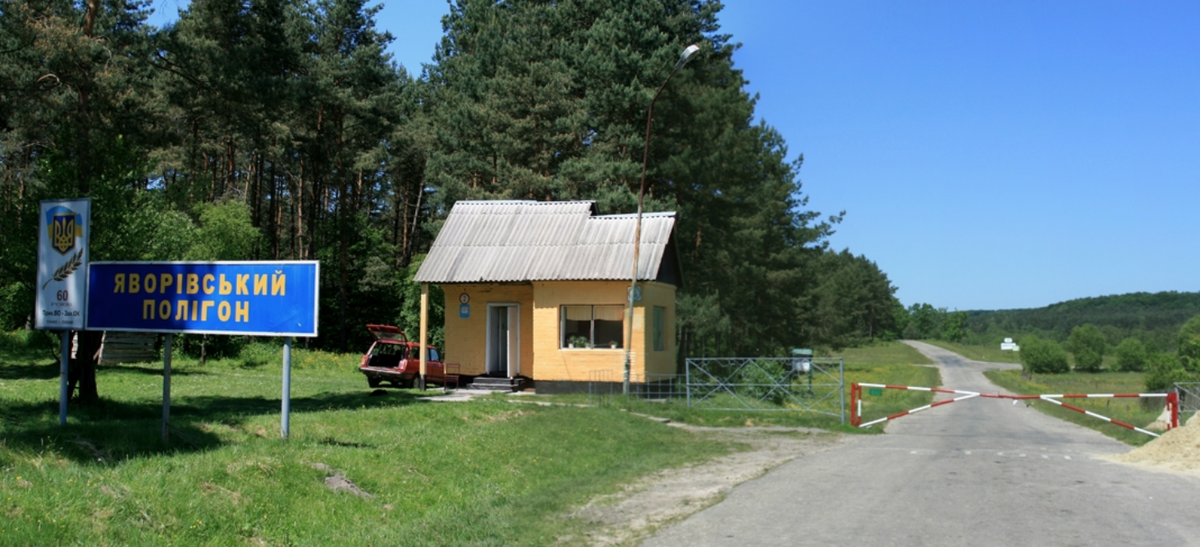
<point x="392" y="358"/>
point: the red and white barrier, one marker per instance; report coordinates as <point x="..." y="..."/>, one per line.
<point x="918" y="409"/>
<point x="1094" y="415"/>
<point x="856" y="403"/>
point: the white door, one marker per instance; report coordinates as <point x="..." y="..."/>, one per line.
<point x="504" y="340"/>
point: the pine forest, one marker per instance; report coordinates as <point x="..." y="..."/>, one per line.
<point x="282" y="129"/>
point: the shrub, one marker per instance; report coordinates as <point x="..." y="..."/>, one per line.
<point x="761" y="381"/>
<point x="1131" y="355"/>
<point x="1040" y="356"/>
<point x="1162" y="371"/>
<point x="1189" y="344"/>
<point x="1087" y="344"/>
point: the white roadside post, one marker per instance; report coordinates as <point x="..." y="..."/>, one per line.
<point x="424" y="332"/>
<point x="286" y="411"/>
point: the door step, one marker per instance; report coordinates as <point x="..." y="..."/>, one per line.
<point x="485" y="383"/>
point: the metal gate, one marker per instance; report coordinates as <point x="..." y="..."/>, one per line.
<point x="1189" y="399"/>
<point x="767" y="384"/>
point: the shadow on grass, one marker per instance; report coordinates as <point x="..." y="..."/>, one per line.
<point x="47" y="371"/>
<point x="111" y="431"/>
<point x="28" y="372"/>
<point x="151" y="369"/>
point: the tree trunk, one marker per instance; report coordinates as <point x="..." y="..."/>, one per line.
<point x="81" y="371"/>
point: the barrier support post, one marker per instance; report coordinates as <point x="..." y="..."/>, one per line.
<point x="1173" y="406"/>
<point x="855" y="397"/>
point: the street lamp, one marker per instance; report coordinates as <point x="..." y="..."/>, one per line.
<point x="686" y="56"/>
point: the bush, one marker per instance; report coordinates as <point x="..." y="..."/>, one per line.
<point x="1131" y="355"/>
<point x="1040" y="356"/>
<point x="30" y="340"/>
<point x="765" y="377"/>
<point x="216" y="346"/>
<point x="1162" y="371"/>
<point x="1087" y="344"/>
<point x="1189" y="344"/>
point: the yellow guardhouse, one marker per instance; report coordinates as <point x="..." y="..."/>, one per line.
<point x="538" y="291"/>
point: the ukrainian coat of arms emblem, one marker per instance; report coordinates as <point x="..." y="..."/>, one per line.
<point x="64" y="227"/>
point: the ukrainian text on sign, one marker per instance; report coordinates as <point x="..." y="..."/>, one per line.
<point x="259" y="298"/>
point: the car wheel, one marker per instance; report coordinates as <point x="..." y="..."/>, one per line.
<point x="373" y="382"/>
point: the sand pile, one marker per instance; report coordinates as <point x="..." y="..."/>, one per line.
<point x="1177" y="450"/>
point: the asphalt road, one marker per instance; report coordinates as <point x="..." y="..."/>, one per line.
<point x="975" y="472"/>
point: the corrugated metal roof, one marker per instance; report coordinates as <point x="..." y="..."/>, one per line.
<point x="513" y="241"/>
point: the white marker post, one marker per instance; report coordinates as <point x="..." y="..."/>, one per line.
<point x="287" y="387"/>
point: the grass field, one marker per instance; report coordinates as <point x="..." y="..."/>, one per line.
<point x="993" y="354"/>
<point x="990" y="354"/>
<point x="1131" y="411"/>
<point x="487" y="472"/>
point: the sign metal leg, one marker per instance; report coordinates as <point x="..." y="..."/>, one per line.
<point x="166" y="421"/>
<point x="287" y="386"/>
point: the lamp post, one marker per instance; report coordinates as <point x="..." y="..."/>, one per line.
<point x="684" y="57"/>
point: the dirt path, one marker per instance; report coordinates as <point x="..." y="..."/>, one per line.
<point x="635" y="513"/>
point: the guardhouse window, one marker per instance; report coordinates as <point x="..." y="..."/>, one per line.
<point x="592" y="327"/>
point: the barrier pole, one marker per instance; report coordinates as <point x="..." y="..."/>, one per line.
<point x="919" y="409"/>
<point x="1094" y="415"/>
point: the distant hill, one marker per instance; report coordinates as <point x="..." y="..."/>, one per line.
<point x="1154" y="318"/>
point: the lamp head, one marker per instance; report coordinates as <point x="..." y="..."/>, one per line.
<point x="687" y="55"/>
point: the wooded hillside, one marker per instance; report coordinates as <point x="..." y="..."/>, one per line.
<point x="1153" y="318"/>
<point x="281" y="129"/>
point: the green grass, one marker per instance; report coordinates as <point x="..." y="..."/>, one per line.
<point x="890" y="363"/>
<point x="1130" y="411"/>
<point x="883" y="353"/>
<point x="487" y="472"/>
<point x="990" y="354"/>
<point x="883" y="362"/>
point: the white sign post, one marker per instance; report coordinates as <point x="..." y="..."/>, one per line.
<point x="63" y="234"/>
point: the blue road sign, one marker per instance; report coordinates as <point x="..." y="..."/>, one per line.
<point x="253" y="298"/>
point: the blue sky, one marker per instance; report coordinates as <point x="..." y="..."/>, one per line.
<point x="988" y="155"/>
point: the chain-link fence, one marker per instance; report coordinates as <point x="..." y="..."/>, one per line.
<point x="736" y="383"/>
<point x="603" y="385"/>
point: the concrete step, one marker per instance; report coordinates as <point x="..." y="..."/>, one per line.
<point x="485" y="383"/>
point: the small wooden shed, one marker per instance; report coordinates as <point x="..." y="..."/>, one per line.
<point x="538" y="290"/>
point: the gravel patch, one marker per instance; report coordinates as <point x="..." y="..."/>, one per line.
<point x="636" y="512"/>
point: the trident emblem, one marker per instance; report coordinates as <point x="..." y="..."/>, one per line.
<point x="62" y="232"/>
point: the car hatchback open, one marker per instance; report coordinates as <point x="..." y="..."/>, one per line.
<point x="394" y="359"/>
